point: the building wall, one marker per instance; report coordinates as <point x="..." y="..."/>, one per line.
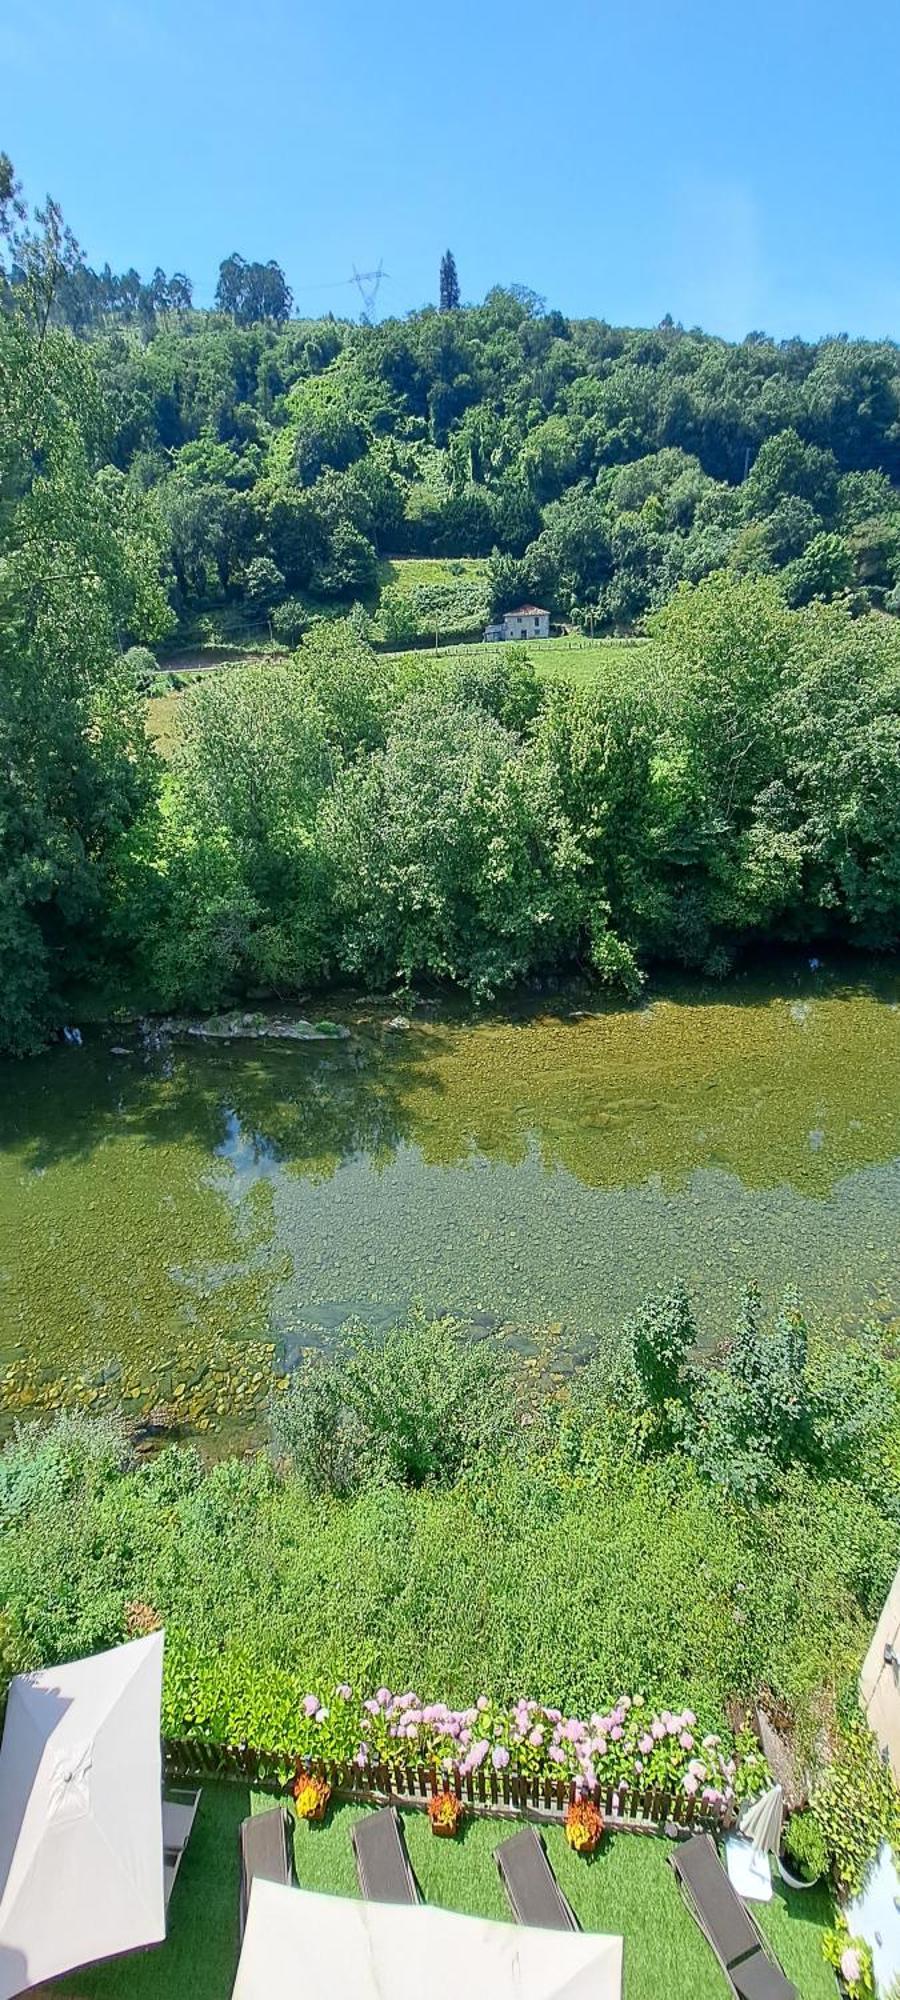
<point x="879" y="1685"/>
<point x="527" y="628"/>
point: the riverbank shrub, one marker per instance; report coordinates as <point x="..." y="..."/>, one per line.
<point x="418" y="1407"/>
<point x="460" y="821"/>
<point x="459" y="1548"/>
<point x="772" y="1399"/>
<point x="343" y="814"/>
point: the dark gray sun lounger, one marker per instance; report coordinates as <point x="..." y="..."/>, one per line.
<point x="179" y="1811"/>
<point x="382" y="1863"/>
<point x="726" y="1923"/>
<point x="530" y="1883"/>
<point x="266" y="1849"/>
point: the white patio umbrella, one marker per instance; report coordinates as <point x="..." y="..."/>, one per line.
<point x="335" y="1949"/>
<point x="761" y="1821"/>
<point x="747" y="1851"/>
<point x="81" y="1851"/>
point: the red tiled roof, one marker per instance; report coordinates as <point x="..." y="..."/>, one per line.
<point x="527" y="611"/>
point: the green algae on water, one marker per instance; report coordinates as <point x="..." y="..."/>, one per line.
<point x="551" y="1163"/>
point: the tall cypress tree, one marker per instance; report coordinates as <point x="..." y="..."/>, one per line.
<point x="449" y="283"/>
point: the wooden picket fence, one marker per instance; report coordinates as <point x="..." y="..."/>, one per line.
<point x="486" y="1792"/>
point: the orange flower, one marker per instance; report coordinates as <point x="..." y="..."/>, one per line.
<point x="311" y="1795"/>
<point x="584" y="1826"/>
<point x="445" y="1811"/>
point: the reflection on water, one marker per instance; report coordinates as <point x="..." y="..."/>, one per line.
<point x="548" y="1165"/>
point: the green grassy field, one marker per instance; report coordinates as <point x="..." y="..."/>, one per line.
<point x="583" y="665"/>
<point x="406" y="572"/>
<point x="628" y="1889"/>
<point x="585" y="662"/>
<point x="581" y="662"/>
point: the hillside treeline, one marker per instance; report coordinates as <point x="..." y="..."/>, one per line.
<point x="346" y="813"/>
<point x="598" y="466"/>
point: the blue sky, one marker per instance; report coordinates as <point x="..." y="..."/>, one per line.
<point x="736" y="166"/>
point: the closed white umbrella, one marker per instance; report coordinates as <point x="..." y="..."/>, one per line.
<point x="81" y="1852"/>
<point x="335" y="1949"/>
<point x="761" y="1822"/>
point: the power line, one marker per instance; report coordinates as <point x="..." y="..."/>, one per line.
<point x="368" y="284"/>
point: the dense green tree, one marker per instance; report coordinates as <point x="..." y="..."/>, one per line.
<point x="243" y="892"/>
<point x="251" y="292"/>
<point x="79" y="577"/>
<point x="449" y="283"/>
<point x="787" y="466"/>
<point x="825" y="567"/>
<point x="441" y="863"/>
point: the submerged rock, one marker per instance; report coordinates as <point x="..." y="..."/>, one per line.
<point x="237" y="1027"/>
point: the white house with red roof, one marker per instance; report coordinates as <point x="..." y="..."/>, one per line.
<point x="528" y="621"/>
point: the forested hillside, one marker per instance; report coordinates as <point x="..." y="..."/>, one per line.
<point x="605" y="464"/>
<point x="349" y="813"/>
<point x="598" y="466"/>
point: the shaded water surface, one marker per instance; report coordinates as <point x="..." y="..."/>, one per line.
<point x="166" y="1211"/>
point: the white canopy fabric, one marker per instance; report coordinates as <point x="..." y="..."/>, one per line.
<point x="81" y="1852"/>
<point x="761" y="1822"/>
<point x="329" y="1948"/>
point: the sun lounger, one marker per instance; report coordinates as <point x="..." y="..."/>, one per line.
<point x="179" y="1811"/>
<point x="530" y="1883"/>
<point x="266" y="1851"/>
<point x="382" y="1863"/>
<point x="726" y="1923"/>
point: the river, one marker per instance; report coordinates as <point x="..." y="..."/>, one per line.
<point x="181" y="1218"/>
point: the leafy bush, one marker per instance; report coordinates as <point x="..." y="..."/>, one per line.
<point x="417" y="1405"/>
<point x="852" y="1959"/>
<point x="804" y="1847"/>
<point x="142" y="664"/>
<point x="289" y="621"/>
<point x="263" y="583"/>
<point x="414" y="1530"/>
<point x="448" y="610"/>
<point x="856" y="1805"/>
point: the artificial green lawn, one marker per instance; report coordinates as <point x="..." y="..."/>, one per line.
<point x="198" y="1959"/>
<point x="628" y="1890"/>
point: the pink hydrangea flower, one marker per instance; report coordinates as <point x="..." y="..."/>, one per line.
<point x="499" y="1758"/>
<point x="686" y="1740"/>
<point x="646" y="1744"/>
<point x="658" y="1729"/>
<point x="310" y="1704"/>
<point x="851" y="1965"/>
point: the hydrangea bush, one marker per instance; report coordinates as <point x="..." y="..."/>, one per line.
<point x="627" y="1745"/>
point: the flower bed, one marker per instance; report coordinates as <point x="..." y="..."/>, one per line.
<point x="646" y="1766"/>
